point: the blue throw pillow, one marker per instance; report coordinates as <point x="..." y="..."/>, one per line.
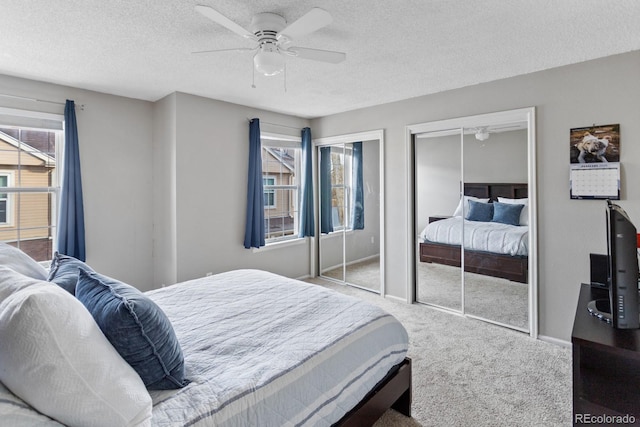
<point x="506" y="213"/>
<point x="479" y="211"/>
<point x="136" y="327"/>
<point x="64" y="271"/>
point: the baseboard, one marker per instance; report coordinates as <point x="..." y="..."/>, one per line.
<point x="556" y="341"/>
<point x="393" y="297"/>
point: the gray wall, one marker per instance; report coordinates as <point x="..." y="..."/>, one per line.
<point x="209" y="172"/>
<point x="602" y="91"/>
<point x="115" y="136"/>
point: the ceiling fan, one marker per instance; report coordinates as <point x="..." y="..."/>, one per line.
<point x="274" y="38"/>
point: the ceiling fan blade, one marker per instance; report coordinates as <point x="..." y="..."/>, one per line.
<point x="312" y="21"/>
<point x="318" y="55"/>
<point x="236" y="49"/>
<point x="219" y="18"/>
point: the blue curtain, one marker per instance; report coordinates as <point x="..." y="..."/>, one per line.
<point x="357" y="215"/>
<point x="307" y="223"/>
<point x="71" y="238"/>
<point x="326" y="219"/>
<point x="254" y="226"/>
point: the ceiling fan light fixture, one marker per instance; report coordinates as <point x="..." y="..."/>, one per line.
<point x="269" y="62"/>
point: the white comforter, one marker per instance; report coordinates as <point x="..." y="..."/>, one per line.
<point x="264" y="350"/>
<point x="480" y="236"/>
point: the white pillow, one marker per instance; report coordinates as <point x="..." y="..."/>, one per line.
<point x="18" y="261"/>
<point x="524" y="213"/>
<point x="11" y="282"/>
<point x="54" y="357"/>
<point x="458" y="211"/>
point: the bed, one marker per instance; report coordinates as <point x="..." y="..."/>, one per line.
<point x="491" y="249"/>
<point x="258" y="349"/>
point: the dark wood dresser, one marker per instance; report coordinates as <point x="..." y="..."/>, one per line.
<point x="606" y="367"/>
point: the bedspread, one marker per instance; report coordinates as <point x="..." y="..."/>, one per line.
<point x="480" y="236"/>
<point x="262" y="349"/>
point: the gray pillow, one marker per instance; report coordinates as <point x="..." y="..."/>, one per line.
<point x="64" y="271"/>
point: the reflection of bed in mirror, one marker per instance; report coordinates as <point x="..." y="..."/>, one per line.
<point x="492" y="249"/>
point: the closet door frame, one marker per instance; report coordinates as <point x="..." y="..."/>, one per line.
<point x="522" y="114"/>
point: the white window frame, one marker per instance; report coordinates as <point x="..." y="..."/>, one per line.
<point x="347" y="187"/>
<point x="275" y="140"/>
<point x="8" y="198"/>
<point x="21" y="119"/>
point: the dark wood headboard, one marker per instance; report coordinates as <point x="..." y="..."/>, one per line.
<point x="495" y="190"/>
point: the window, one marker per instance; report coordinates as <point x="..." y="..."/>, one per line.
<point x="29" y="183"/>
<point x="4" y="199"/>
<point x="268" y="184"/>
<point x="281" y="186"/>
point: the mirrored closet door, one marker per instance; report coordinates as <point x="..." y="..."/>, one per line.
<point x="474" y="217"/>
<point x="349" y="206"/>
<point x="437" y="198"/>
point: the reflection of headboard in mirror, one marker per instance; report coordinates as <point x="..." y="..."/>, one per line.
<point x="495" y="190"/>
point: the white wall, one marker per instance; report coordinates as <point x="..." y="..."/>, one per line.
<point x="602" y="91"/>
<point x="115" y="136"/>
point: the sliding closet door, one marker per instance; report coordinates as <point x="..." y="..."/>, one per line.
<point x="350" y="201"/>
<point x="438" y="218"/>
<point x="362" y="235"/>
<point x="495" y="158"/>
<point x="332" y="211"/>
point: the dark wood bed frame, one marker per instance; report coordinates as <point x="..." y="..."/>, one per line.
<point x="509" y="267"/>
<point x="393" y="391"/>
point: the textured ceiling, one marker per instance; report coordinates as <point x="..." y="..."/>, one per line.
<point x="395" y="49"/>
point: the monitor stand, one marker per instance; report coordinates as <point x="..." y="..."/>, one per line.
<point x="601" y="309"/>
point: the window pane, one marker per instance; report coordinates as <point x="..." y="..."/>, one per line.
<point x="30" y="155"/>
<point x="279" y="169"/>
<point x="31" y="228"/>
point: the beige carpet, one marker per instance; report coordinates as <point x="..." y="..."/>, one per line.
<point x="471" y="373"/>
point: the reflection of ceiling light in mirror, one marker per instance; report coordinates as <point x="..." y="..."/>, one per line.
<point x="482" y="134"/>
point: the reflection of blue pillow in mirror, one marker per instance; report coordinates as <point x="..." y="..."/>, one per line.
<point x="506" y="213"/>
<point x="479" y="211"/>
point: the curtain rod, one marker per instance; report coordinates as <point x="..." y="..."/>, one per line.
<point x="81" y="106"/>
<point x="276" y="124"/>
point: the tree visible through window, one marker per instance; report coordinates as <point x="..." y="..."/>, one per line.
<point x="29" y="185"/>
<point x="281" y="187"/>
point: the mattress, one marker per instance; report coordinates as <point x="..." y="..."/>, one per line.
<point x="479" y="236"/>
<point x="262" y="349"/>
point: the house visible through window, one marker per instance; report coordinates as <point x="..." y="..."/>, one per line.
<point x="281" y="186"/>
<point x="29" y="184"/>
<point x="4" y="199"/>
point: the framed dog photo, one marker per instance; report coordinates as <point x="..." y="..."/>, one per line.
<point x="595" y="144"/>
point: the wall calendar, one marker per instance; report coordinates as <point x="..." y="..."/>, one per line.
<point x="595" y="162"/>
